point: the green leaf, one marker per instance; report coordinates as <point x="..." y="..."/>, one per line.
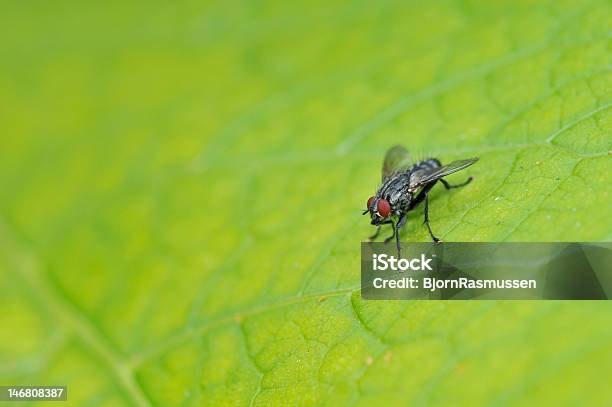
<point x="181" y="187"/>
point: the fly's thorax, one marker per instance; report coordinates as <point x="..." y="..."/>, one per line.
<point x="401" y="203"/>
<point x="396" y="190"/>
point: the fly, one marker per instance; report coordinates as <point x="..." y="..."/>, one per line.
<point x="404" y="186"/>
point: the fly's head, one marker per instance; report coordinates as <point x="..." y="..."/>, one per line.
<point x="379" y="209"/>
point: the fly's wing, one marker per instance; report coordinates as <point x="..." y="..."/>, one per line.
<point x="426" y="177"/>
<point x="396" y="159"/>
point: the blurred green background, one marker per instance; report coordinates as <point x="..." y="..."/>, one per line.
<point x="181" y="186"/>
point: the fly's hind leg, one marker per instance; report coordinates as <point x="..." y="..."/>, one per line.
<point x="449" y="186"/>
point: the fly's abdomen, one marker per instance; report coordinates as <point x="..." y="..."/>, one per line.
<point x="428" y="164"/>
<point x="423" y="167"/>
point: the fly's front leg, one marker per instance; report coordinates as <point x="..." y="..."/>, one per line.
<point x="387" y="240"/>
<point x="435" y="239"/>
<point x="375" y="235"/>
<point x="449" y="186"/>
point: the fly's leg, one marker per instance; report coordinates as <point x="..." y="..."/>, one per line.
<point x="387" y="240"/>
<point x="419" y="198"/>
<point x="424" y="195"/>
<point x="449" y="186"/>
<point x="435" y="239"/>
<point x="400" y="223"/>
<point x="375" y="235"/>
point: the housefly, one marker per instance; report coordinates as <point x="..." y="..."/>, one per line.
<point x="406" y="184"/>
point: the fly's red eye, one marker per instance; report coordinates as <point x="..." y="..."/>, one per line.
<point x="384" y="209"/>
<point x="370" y="201"/>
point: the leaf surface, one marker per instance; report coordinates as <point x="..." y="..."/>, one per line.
<point x="181" y="188"/>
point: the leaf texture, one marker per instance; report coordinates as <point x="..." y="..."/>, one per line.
<point x="181" y="188"/>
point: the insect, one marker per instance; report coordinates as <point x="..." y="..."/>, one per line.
<point x="406" y="184"/>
